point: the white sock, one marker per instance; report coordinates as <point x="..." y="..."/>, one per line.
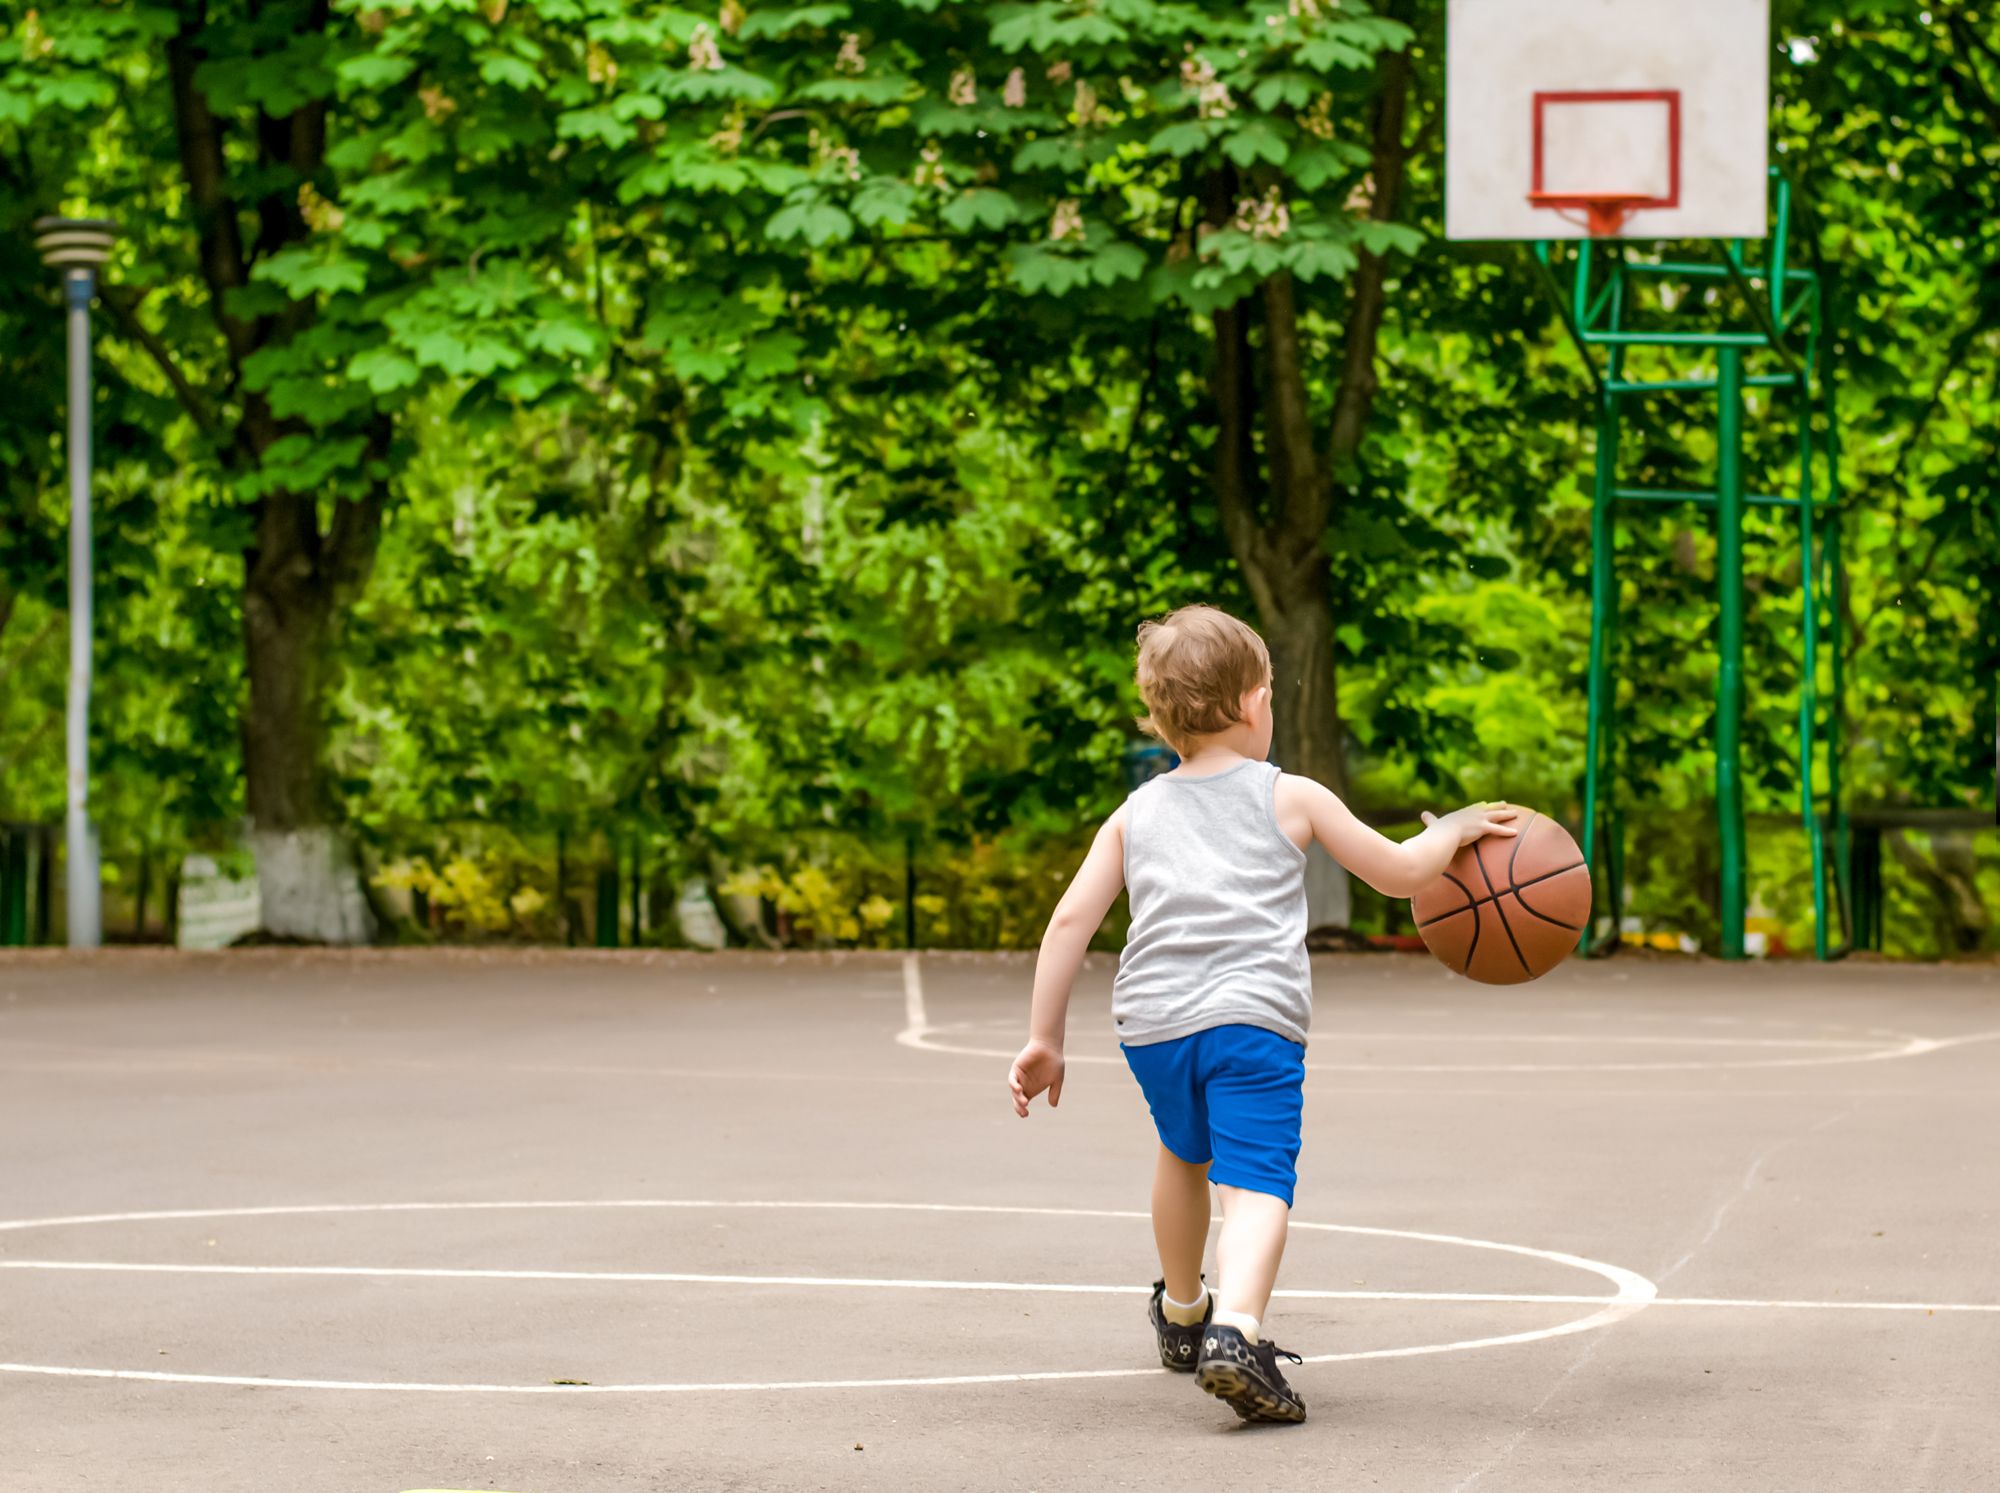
<point x="1184" y="1313"/>
<point x="1243" y="1322"/>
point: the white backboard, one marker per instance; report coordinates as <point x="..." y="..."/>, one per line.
<point x="1686" y="123"/>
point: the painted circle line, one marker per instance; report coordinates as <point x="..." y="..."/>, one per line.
<point x="1633" y="1294"/>
<point x="925" y="1038"/>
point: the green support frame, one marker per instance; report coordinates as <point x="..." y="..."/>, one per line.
<point x="1776" y="310"/>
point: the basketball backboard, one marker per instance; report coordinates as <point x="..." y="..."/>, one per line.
<point x="1630" y="118"/>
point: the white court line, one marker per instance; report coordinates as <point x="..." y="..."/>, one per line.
<point x="918" y="1032"/>
<point x="915" y="1024"/>
<point x="1037" y="1288"/>
<point x="1568" y="1039"/>
<point x="1634" y="1293"/>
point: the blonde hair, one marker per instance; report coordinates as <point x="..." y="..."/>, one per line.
<point x="1195" y="666"/>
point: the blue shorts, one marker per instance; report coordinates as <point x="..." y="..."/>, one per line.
<point x="1230" y="1095"/>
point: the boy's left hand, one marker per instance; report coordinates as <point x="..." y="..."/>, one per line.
<point x="1040" y="1066"/>
<point x="1475" y="821"/>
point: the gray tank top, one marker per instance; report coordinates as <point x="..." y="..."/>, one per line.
<point x="1218" y="910"/>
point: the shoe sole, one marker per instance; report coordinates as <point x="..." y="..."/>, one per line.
<point x="1247" y="1396"/>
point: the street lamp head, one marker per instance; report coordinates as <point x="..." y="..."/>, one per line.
<point x="74" y="242"/>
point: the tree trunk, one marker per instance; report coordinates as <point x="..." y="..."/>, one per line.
<point x="307" y="877"/>
<point x="298" y="573"/>
<point x="1307" y="730"/>
<point x="284" y="637"/>
<point x="1276" y="525"/>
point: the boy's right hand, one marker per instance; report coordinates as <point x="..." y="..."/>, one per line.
<point x="1475" y="821"/>
<point x="1039" y="1067"/>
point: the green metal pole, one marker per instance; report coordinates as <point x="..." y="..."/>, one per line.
<point x="1614" y="815"/>
<point x="1836" y="601"/>
<point x="1603" y="601"/>
<point x="1781" y="227"/>
<point x="1729" y="664"/>
<point x="1809" y="674"/>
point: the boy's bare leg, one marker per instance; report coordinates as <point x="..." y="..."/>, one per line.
<point x="1180" y="1223"/>
<point x="1252" y="1243"/>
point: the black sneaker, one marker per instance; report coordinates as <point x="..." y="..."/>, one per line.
<point x="1245" y="1376"/>
<point x="1180" y="1347"/>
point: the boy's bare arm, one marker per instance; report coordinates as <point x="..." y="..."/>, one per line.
<point x="1393" y="869"/>
<point x="1091" y="892"/>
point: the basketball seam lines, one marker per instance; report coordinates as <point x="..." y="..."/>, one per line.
<point x="1525" y="907"/>
<point x="1472" y="901"/>
<point x="1558" y="922"/>
<point x="1473" y="947"/>
<point x="1505" y="927"/>
<point x="1515" y="854"/>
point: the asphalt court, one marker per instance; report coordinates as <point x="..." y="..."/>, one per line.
<point x="544" y="1221"/>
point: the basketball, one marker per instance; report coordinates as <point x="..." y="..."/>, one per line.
<point x="1506" y="911"/>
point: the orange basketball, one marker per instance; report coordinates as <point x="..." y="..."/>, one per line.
<point x="1508" y="910"/>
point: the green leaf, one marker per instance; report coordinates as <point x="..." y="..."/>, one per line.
<point x="395" y="191"/>
<point x="1038" y="269"/>
<point x="309" y="270"/>
<point x="1019" y="26"/>
<point x="1257" y="141"/>
<point x="698" y="364"/>
<point x="1295" y="89"/>
<point x="776" y="23"/>
<point x="770" y="356"/>
<point x="1322" y="258"/>
<point x="76" y="93"/>
<point x="982" y="207"/>
<point x="1313" y="166"/>
<point x="460" y="350"/>
<point x="712" y="173"/>
<point x="601" y="125"/>
<point x="371" y="72"/>
<point x="383" y="369"/>
<point x="564" y="332"/>
<point x="1060" y="153"/>
<point x="1115" y="262"/>
<point x="883" y="88"/>
<point x="1328" y="53"/>
<point x="1181" y="139"/>
<point x="1389" y="238"/>
<point x="816" y="221"/>
<point x="503" y="71"/>
<point x="885" y="200"/>
<point x="730" y="83"/>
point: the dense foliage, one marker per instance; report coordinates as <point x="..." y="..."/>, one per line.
<point x="737" y="441"/>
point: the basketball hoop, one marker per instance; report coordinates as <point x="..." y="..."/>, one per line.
<point x="1581" y="150"/>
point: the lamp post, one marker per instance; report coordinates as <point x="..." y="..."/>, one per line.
<point x="77" y="246"/>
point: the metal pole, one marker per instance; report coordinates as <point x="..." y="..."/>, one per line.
<point x="1729" y="668"/>
<point x="1809" y="674"/>
<point x="85" y="913"/>
<point x="1603" y="597"/>
<point x="1836" y="601"/>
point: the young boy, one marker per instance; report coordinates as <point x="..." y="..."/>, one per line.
<point x="1213" y="993"/>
